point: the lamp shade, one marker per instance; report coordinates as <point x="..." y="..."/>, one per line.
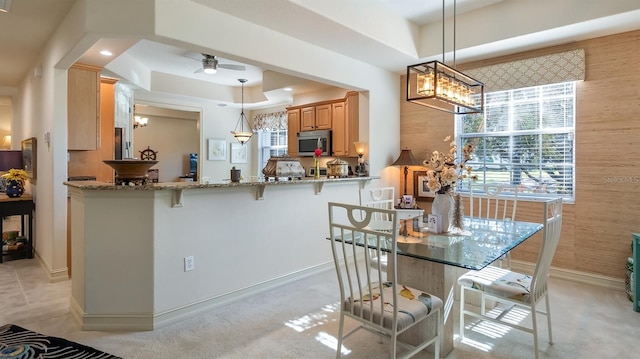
<point x="10" y="159"/>
<point x="406" y="159"/>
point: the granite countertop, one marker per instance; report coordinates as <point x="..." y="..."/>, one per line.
<point x="95" y="185"/>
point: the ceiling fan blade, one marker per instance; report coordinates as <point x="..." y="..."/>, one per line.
<point x="193" y="55"/>
<point x="232" y="67"/>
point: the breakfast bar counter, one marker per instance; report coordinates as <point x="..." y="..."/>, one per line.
<point x="131" y="243"/>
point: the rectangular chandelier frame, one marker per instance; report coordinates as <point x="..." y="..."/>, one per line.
<point x="436" y="85"/>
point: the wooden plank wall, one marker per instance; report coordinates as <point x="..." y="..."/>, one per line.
<point x="596" y="231"/>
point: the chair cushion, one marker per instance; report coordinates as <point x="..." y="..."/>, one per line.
<point x="499" y="282"/>
<point x="413" y="305"/>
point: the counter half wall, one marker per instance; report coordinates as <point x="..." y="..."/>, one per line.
<point x="129" y="245"/>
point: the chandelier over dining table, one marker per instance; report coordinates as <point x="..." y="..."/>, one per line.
<point x="437" y="85"/>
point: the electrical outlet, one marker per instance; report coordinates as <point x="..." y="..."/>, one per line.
<point x="189" y="264"/>
<point x="206" y="179"/>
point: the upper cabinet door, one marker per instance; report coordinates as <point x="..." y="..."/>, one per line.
<point x="323" y="117"/>
<point x="83" y="107"/>
<point x="308" y="118"/>
<point x="292" y="131"/>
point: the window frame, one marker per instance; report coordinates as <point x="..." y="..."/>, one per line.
<point x="541" y="131"/>
<point x="265" y="146"/>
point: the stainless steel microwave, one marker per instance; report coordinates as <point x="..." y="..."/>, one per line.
<point x="308" y="141"/>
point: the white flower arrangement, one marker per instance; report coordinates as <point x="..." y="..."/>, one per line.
<point x="445" y="170"/>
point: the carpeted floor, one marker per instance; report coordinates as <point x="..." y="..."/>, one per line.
<point x="299" y="320"/>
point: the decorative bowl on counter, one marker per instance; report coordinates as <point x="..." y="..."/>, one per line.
<point x="131" y="171"/>
<point x="283" y="167"/>
<point x="337" y="168"/>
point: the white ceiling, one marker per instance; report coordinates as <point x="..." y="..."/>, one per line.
<point x="370" y="37"/>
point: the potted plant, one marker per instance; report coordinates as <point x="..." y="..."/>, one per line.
<point x="15" y="179"/>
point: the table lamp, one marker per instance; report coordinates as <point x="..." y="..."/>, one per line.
<point x="406" y="159"/>
<point x="360" y="147"/>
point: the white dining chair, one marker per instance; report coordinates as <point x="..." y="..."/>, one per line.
<point x="380" y="306"/>
<point x="517" y="289"/>
<point x="384" y="198"/>
<point x="494" y="201"/>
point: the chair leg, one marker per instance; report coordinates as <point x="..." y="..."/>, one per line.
<point x="439" y="329"/>
<point x="392" y="354"/>
<point x="546" y="300"/>
<point x="534" y="321"/>
<point x="462" y="312"/>
<point x="340" y="333"/>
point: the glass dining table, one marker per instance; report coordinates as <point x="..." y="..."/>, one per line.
<point x="480" y="243"/>
<point x="433" y="262"/>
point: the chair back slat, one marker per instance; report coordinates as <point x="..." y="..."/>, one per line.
<point x="493" y="201"/>
<point x="378" y="197"/>
<point x="351" y="223"/>
<point x="551" y="237"/>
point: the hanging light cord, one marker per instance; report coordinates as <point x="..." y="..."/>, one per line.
<point x="443" y="59"/>
<point x="242" y="108"/>
<point x="454" y="33"/>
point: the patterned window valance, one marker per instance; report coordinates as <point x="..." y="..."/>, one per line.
<point x="542" y="70"/>
<point x="270" y="122"/>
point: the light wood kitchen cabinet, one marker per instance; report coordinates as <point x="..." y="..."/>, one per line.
<point x="89" y="162"/>
<point x="346" y="126"/>
<point x="323" y="117"/>
<point x="308" y="118"/>
<point x="340" y="116"/>
<point x="83" y="107"/>
<point x="293" y="124"/>
<point x="315" y="117"/>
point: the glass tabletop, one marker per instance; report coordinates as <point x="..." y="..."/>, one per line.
<point x="480" y="243"/>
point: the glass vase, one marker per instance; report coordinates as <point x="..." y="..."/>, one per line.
<point x="443" y="206"/>
<point x="316" y="164"/>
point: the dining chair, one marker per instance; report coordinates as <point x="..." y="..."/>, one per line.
<point x="379" y="197"/>
<point x="383" y="307"/>
<point x="518" y="290"/>
<point x="494" y="201"/>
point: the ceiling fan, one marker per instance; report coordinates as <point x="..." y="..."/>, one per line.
<point x="210" y="65"/>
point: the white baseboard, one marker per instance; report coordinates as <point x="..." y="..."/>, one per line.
<point x="573" y="275"/>
<point x="146" y="322"/>
<point x="54" y="276"/>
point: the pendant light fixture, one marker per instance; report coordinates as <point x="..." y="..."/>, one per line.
<point x="240" y="133"/>
<point x="436" y="85"/>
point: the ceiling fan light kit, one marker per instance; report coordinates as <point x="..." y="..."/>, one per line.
<point x="241" y="134"/>
<point x="436" y="85"/>
<point x="210" y="65"/>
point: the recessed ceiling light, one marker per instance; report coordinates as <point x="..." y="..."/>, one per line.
<point x="288" y="89"/>
<point x="222" y="105"/>
<point x="106" y="53"/>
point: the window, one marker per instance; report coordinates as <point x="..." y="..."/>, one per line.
<point x="272" y="143"/>
<point x="525" y="138"/>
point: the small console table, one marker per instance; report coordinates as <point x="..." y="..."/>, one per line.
<point x="20" y="206"/>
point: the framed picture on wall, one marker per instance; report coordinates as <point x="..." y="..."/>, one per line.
<point x="420" y="189"/>
<point x="239" y="153"/>
<point x="29" y="156"/>
<point x="217" y="149"/>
